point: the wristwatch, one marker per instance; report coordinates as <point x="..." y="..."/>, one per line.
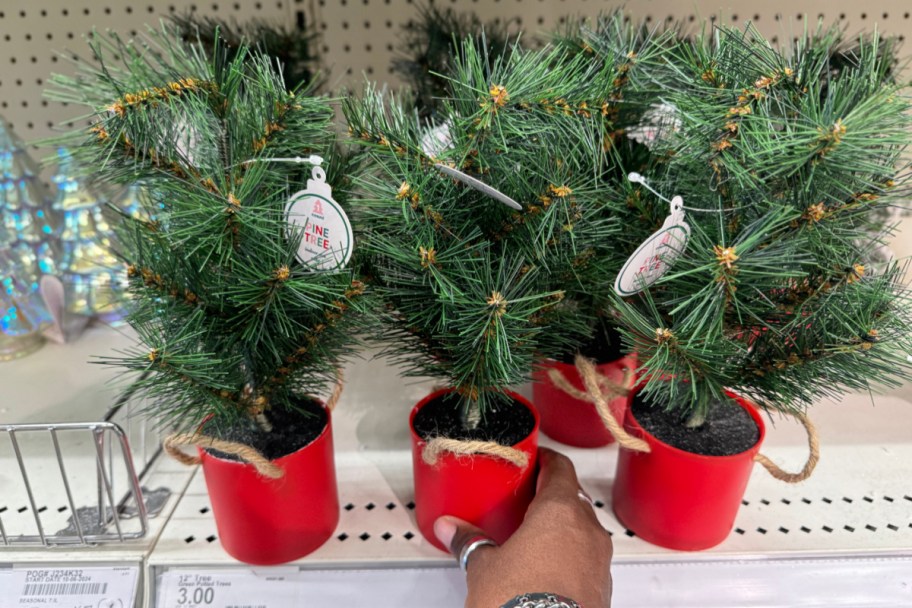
<point x="540" y="600"/>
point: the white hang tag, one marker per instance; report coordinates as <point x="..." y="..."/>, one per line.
<point x="657" y="254"/>
<point x="479" y="185"/>
<point x="326" y="234"/>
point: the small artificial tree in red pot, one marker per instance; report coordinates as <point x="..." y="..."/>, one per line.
<point x="242" y="308"/>
<point x="768" y="293"/>
<point x="475" y="227"/>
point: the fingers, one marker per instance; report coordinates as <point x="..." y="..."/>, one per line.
<point x="455" y="533"/>
<point x="556" y="476"/>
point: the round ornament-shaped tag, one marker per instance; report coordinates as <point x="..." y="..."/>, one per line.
<point x="326" y="239"/>
<point x="656" y="255"/>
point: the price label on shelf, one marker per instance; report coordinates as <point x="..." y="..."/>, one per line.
<point x="92" y="587"/>
<point x="273" y="588"/>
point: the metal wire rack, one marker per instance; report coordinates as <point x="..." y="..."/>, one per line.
<point x="76" y="483"/>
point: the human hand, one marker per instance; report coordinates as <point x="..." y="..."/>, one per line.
<point x="560" y="547"/>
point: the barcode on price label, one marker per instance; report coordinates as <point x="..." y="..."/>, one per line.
<point x="32" y="589"/>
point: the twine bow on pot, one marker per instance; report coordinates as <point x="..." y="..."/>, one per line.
<point x="594" y="393"/>
<point x="265" y="467"/>
<point x="440" y="445"/>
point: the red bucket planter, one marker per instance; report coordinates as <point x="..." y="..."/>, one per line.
<point x="679" y="500"/>
<point x="573" y="421"/>
<point x="265" y="521"/>
<point x="484" y="490"/>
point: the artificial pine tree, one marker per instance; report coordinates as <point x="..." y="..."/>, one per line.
<point x="27" y="224"/>
<point x="783" y="160"/>
<point x="475" y="291"/>
<point x="430" y="42"/>
<point x="233" y="328"/>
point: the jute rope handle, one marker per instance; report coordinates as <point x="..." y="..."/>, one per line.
<point x="609" y="388"/>
<point x="333" y="400"/>
<point x="437" y="446"/>
<point x="591" y="381"/>
<point x="813" y="455"/>
<point x="172" y="444"/>
<point x="263" y="465"/>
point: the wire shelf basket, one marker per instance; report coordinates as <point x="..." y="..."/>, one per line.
<point x="76" y="484"/>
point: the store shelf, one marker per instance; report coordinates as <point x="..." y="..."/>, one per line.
<point x="847" y="531"/>
<point x="855" y="512"/>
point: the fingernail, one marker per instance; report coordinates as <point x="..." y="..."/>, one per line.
<point x="445" y="530"/>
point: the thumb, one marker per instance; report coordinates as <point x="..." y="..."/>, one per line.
<point x="456" y="533"/>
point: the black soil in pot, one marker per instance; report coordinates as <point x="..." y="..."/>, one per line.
<point x="727" y="430"/>
<point x="604" y="346"/>
<point x="291" y="431"/>
<point x="506" y="422"/>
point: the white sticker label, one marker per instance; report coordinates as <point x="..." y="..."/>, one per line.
<point x="272" y="588"/>
<point x="325" y="232"/>
<point x="94" y="587"/>
<point x="656" y="255"/>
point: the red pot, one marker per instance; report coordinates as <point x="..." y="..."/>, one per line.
<point x="677" y="499"/>
<point x="573" y="421"/>
<point x="484" y="490"/>
<point x="265" y="521"/>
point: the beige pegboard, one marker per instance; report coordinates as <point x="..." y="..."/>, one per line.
<point x="359" y="38"/>
<point x="38" y="36"/>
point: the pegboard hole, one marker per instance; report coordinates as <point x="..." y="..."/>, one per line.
<point x="386" y="536"/>
<point x="349" y="507"/>
<point x="342" y="536"/>
<point x="805" y="529"/>
<point x="827" y="529"/>
<point x="204" y="510"/>
<point x="364" y="536"/>
<point x="408" y="535"/>
<point x="370" y="506"/>
<point x="892" y="527"/>
<point x="189" y="539"/>
<point x="211" y="538"/>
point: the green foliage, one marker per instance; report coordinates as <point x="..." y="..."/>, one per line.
<point x="231" y="324"/>
<point x="430" y="43"/>
<point x="292" y="49"/>
<point x="786" y="160"/>
<point x="477" y="292"/>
